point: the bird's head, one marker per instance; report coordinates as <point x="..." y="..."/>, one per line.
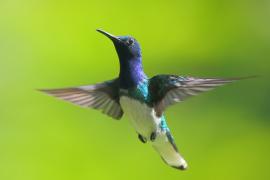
<point x="126" y="46"/>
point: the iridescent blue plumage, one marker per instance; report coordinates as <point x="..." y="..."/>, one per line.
<point x="129" y="54"/>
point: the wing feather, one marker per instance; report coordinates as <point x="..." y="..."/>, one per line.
<point x="103" y="96"/>
<point x="167" y="90"/>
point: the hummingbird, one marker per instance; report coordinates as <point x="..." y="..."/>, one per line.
<point x="144" y="100"/>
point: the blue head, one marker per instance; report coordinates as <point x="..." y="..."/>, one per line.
<point x="129" y="53"/>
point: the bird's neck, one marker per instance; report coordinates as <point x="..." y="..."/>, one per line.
<point x="131" y="72"/>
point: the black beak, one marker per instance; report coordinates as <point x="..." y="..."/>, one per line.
<point x="112" y="37"/>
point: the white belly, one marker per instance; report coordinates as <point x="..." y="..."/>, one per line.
<point x="142" y="118"/>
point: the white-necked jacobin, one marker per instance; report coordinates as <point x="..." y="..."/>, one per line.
<point x="142" y="99"/>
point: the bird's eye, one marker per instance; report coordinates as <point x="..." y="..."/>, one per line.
<point x="130" y="42"/>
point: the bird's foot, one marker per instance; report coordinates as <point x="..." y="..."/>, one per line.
<point x="142" y="139"/>
<point x="153" y="136"/>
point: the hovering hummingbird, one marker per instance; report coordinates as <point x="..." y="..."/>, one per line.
<point x="142" y="99"/>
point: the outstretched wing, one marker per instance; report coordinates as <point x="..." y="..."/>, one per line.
<point x="103" y="96"/>
<point x="170" y="89"/>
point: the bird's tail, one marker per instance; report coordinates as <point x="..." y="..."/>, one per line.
<point x="165" y="146"/>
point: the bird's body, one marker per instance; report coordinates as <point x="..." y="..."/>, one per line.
<point x="142" y="99"/>
<point x="135" y="104"/>
<point x="141" y="116"/>
<point x="145" y="121"/>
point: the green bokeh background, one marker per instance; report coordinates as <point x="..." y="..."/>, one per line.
<point x="223" y="134"/>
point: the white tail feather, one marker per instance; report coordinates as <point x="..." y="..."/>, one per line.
<point x="168" y="152"/>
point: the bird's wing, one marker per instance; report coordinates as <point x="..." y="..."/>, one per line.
<point x="103" y="96"/>
<point x="170" y="89"/>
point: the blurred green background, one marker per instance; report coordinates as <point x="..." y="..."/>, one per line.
<point x="223" y="134"/>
